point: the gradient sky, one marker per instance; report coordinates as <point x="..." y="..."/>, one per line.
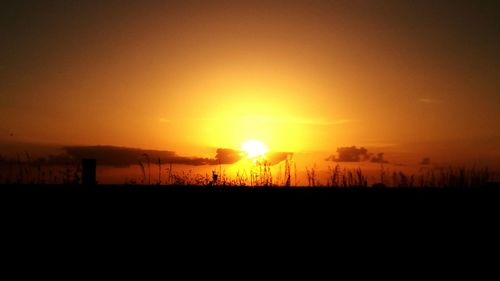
<point x="298" y="75"/>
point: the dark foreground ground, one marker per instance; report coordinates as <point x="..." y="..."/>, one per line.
<point x="245" y="197"/>
<point x="164" y="192"/>
<point x="200" y="212"/>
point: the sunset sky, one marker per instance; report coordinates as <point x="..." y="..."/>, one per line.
<point x="300" y="76"/>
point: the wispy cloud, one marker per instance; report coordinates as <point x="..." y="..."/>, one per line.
<point x="164" y="120"/>
<point x="429" y="100"/>
<point x="280" y="120"/>
<point x="320" y="122"/>
<point x="296" y="120"/>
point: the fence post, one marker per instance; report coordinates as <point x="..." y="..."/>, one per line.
<point x="89" y="172"/>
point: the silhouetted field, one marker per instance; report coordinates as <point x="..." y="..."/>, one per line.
<point x="204" y="206"/>
<point x="167" y="191"/>
<point x="261" y="174"/>
<point x="191" y="189"/>
<point x="164" y="192"/>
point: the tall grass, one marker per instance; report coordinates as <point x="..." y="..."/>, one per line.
<point x="311" y="177"/>
<point x="338" y="177"/>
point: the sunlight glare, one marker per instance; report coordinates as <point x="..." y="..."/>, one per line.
<point x="254" y="148"/>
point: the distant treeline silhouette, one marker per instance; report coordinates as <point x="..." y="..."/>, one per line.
<point x="124" y="156"/>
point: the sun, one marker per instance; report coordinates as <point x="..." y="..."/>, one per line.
<point x="254" y="149"/>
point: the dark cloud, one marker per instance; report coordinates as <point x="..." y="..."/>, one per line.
<point x="54" y="160"/>
<point x="379" y="158"/>
<point x="277" y="157"/>
<point x="425" y="161"/>
<point x="115" y="156"/>
<point x="123" y="156"/>
<point x="350" y="154"/>
<point x="355" y="154"/>
<point x="226" y="156"/>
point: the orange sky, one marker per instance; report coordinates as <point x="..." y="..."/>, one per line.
<point x="302" y="76"/>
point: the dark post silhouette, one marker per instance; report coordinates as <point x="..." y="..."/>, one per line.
<point x="89" y="172"/>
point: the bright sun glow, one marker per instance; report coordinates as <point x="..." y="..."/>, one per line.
<point x="254" y="148"/>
